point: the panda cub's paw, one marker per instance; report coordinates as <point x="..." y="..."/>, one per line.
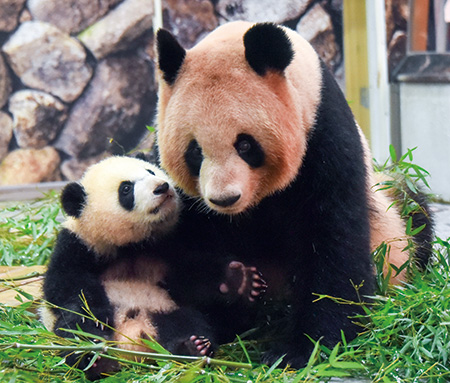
<point x="202" y="346"/>
<point x="242" y="281"/>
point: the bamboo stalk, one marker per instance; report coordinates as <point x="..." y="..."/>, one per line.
<point x="101" y="347"/>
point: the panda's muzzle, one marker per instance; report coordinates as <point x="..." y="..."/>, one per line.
<point x="164" y="192"/>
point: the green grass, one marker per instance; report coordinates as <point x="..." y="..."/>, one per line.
<point x="404" y="336"/>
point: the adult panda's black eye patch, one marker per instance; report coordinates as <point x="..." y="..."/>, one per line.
<point x="249" y="150"/>
<point x="194" y="158"/>
<point x="126" y="195"/>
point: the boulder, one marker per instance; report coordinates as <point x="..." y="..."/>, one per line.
<point x="189" y="20"/>
<point x="6" y="132"/>
<point x="70" y="16"/>
<point x="110" y="108"/>
<point x="119" y="28"/>
<point x="9" y="14"/>
<point x="316" y="27"/>
<point x="45" y="58"/>
<point x="262" y="10"/>
<point x="38" y="117"/>
<point x="24" y="166"/>
<point x="73" y="169"/>
<point x="5" y="82"/>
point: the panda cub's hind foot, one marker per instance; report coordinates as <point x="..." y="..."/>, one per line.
<point x="242" y="281"/>
<point x="201" y="345"/>
<point x="194" y="346"/>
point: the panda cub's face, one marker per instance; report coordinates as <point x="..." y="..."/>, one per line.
<point x="119" y="201"/>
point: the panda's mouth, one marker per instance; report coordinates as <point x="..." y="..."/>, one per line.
<point x="166" y="199"/>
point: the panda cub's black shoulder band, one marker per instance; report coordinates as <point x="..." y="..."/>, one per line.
<point x="267" y="47"/>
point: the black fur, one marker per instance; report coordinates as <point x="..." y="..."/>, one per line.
<point x="170" y="55"/>
<point x="194" y="158"/>
<point x="126" y="195"/>
<point x="250" y="150"/>
<point x="315" y="234"/>
<point x="177" y="327"/>
<point x="73" y="198"/>
<point x="74" y="276"/>
<point x="267" y="47"/>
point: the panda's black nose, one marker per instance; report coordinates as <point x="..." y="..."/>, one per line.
<point x="226" y="201"/>
<point x="161" y="189"/>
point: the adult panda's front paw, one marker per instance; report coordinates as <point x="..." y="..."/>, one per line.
<point x="242" y="281"/>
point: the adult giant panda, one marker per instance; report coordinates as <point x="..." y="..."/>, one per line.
<point x="252" y="123"/>
<point x="108" y="253"/>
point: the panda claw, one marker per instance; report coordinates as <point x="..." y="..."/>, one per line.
<point x="202" y="344"/>
<point x="242" y="281"/>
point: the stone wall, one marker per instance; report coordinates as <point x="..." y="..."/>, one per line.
<point x="77" y="77"/>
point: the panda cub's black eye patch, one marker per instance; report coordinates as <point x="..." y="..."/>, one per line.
<point x="249" y="150"/>
<point x="194" y="158"/>
<point x="126" y="195"/>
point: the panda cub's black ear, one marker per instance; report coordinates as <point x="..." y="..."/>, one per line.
<point x="267" y="47"/>
<point x="170" y="55"/>
<point x="73" y="198"/>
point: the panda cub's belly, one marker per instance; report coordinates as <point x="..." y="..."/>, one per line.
<point x="133" y="290"/>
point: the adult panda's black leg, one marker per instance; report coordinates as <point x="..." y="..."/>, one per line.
<point x="184" y="331"/>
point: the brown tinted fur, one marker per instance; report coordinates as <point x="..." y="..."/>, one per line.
<point x="199" y="105"/>
<point x="217" y="96"/>
<point x="133" y="291"/>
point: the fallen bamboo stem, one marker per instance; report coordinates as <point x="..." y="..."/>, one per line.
<point x="101" y="347"/>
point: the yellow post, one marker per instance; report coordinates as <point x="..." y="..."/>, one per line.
<point x="356" y="61"/>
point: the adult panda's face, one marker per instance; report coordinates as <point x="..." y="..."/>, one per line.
<point x="119" y="201"/>
<point x="233" y="116"/>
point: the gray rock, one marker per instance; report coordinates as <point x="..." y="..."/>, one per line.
<point x="262" y="10"/>
<point x="316" y="27"/>
<point x="120" y="27"/>
<point x="74" y="168"/>
<point x="24" y="166"/>
<point x="70" y="16"/>
<point x="9" y="14"/>
<point x="6" y="132"/>
<point x="5" y="82"/>
<point x="38" y="117"/>
<point x="110" y="108"/>
<point x="189" y="20"/>
<point x="47" y="59"/>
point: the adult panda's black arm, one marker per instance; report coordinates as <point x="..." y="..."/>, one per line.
<point x="72" y="273"/>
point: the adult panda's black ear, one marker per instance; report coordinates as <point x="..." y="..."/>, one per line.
<point x="267" y="47"/>
<point x="170" y="55"/>
<point x="73" y="199"/>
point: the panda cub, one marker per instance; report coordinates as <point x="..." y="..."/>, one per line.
<point x="107" y="254"/>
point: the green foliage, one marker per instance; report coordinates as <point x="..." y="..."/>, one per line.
<point x="28" y="231"/>
<point x="404" y="334"/>
<point x="403" y="179"/>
